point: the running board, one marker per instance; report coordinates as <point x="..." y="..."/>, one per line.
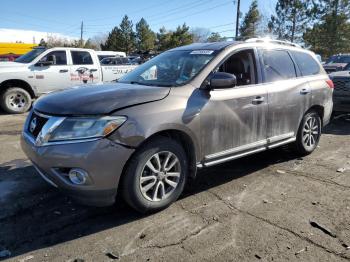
<point x="236" y="156"/>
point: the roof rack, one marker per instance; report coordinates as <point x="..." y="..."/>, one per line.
<point x="268" y="40"/>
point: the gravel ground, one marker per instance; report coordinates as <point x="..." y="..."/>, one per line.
<point x="272" y="206"/>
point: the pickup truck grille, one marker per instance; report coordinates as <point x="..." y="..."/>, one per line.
<point x="342" y="84"/>
<point x="35" y="124"/>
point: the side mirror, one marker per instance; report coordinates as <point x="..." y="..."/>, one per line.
<point x="221" y="80"/>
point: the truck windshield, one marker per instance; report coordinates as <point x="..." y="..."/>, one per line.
<point x="30" y="56"/>
<point x="172" y="68"/>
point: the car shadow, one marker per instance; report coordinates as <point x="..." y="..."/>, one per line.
<point x="35" y="215"/>
<point x="339" y="125"/>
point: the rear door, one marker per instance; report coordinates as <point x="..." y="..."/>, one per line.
<point x="83" y="69"/>
<point x="288" y="94"/>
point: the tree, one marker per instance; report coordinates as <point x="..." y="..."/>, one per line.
<point x="163" y="39"/>
<point x="214" y="37"/>
<point x="291" y="19"/>
<point x="145" y="37"/>
<point x="331" y="34"/>
<point x="250" y="25"/>
<point x="89" y="44"/>
<point x="42" y="42"/>
<point x="181" y="36"/>
<point x="121" y="38"/>
<point x="200" y="35"/>
<point x="170" y="39"/>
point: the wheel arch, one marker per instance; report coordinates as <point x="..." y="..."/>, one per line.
<point x="318" y="109"/>
<point x="17" y="83"/>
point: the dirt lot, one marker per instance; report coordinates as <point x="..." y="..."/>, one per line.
<point x="256" y="208"/>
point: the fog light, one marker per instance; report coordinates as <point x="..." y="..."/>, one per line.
<point x="77" y="176"/>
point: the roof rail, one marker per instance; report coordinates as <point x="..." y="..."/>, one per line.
<point x="268" y="40"/>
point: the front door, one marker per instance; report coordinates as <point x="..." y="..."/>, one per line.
<point x="48" y="78"/>
<point x="234" y="120"/>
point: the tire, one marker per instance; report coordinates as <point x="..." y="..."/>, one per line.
<point x="15" y="100"/>
<point x="167" y="183"/>
<point x="309" y="134"/>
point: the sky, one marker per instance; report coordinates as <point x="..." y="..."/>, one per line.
<point x="64" y="17"/>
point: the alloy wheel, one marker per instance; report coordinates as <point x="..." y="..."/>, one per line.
<point x="311" y="132"/>
<point x="160" y="176"/>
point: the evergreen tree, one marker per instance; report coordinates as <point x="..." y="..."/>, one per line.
<point x="121" y="38"/>
<point x="42" y="42"/>
<point x="250" y="25"/>
<point x="145" y="37"/>
<point x="214" y="37"/>
<point x="331" y="35"/>
<point x="291" y="19"/>
<point x="181" y="36"/>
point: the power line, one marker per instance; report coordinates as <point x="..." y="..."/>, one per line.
<point x="195" y="13"/>
<point x="167" y="13"/>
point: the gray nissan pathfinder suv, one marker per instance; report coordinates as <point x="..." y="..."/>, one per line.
<point x="189" y="108"/>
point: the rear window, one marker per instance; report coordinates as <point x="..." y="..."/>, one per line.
<point x="278" y="65"/>
<point x="307" y="64"/>
<point x="81" y="58"/>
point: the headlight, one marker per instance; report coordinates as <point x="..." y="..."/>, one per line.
<point x="85" y="128"/>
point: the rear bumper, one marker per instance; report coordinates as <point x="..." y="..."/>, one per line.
<point x="102" y="159"/>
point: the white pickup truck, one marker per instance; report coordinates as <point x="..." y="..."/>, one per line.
<point x="45" y="70"/>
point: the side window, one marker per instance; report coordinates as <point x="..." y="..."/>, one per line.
<point x="241" y="64"/>
<point x="56" y="57"/>
<point x="278" y="65"/>
<point x="307" y="64"/>
<point x="81" y="58"/>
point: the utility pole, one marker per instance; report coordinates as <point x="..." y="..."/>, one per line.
<point x="237" y="18"/>
<point x="81" y="33"/>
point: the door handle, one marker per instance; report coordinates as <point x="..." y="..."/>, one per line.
<point x="93" y="70"/>
<point x="304" y="91"/>
<point x="258" y="100"/>
<point x="63" y="70"/>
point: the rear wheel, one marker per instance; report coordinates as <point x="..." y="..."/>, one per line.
<point x="155" y="176"/>
<point x="15" y="100"/>
<point x="309" y="133"/>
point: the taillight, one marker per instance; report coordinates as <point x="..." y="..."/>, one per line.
<point x="330" y="83"/>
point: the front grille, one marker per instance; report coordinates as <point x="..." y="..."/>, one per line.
<point x="342" y="84"/>
<point x="36" y="123"/>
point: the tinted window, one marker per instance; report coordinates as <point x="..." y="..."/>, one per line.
<point x="307" y="65"/>
<point x="278" y="65"/>
<point x="57" y="58"/>
<point x="81" y="58"/>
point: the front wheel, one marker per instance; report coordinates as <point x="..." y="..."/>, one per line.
<point x="309" y="133"/>
<point x="155" y="176"/>
<point x="15" y="100"/>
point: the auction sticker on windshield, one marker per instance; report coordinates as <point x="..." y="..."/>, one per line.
<point x="202" y="52"/>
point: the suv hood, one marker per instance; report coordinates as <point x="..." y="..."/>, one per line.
<point x="98" y="99"/>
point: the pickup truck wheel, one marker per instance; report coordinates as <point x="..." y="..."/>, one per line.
<point x="155" y="176"/>
<point x="309" y="134"/>
<point x="15" y="100"/>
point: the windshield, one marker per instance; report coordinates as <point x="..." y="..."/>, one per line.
<point x="173" y="68"/>
<point x="339" y="59"/>
<point x="30" y="56"/>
